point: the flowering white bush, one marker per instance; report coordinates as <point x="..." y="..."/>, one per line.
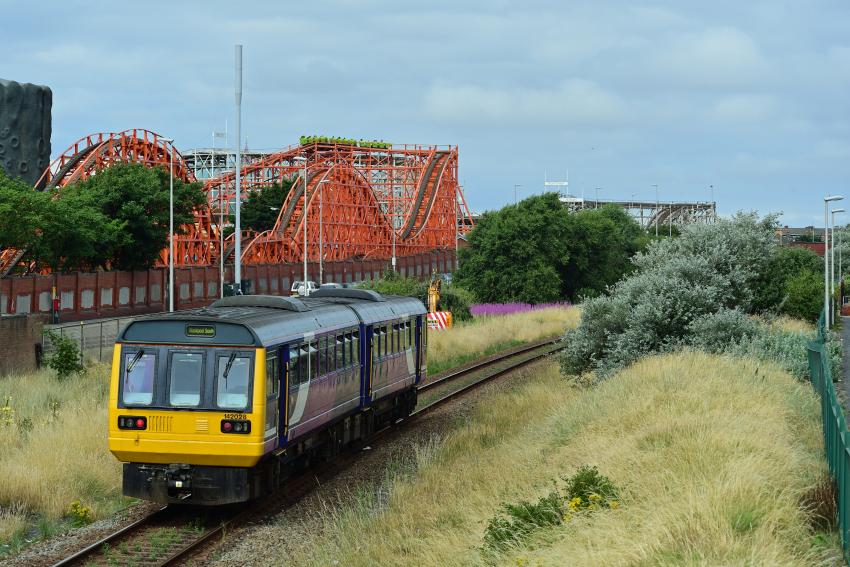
<point x="679" y="285"/>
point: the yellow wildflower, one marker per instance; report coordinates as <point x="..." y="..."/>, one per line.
<point x="594" y="497"/>
<point x="615" y="504"/>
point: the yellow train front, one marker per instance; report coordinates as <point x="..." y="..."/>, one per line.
<point x="221" y="404"/>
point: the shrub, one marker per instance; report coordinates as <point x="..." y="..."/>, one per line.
<point x="716" y="331"/>
<point x="67" y="358"/>
<point x="584" y="491"/>
<point x="710" y="268"/>
<point x="804" y="296"/>
<point x="79" y="514"/>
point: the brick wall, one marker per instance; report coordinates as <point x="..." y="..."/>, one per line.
<point x="19" y="335"/>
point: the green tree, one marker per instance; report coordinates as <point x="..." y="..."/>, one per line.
<point x="804" y="295"/>
<point x="261" y="209"/>
<point x="138" y="197"/>
<point x="75" y="235"/>
<point x="21" y="210"/>
<point x="602" y="244"/>
<point x="537" y="251"/>
<point x="771" y="287"/>
<point x="61" y="233"/>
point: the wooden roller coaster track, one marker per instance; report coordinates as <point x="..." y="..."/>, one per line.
<point x="356" y="198"/>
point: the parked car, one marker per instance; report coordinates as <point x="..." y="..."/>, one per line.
<point x="331" y="285"/>
<point x="299" y="289"/>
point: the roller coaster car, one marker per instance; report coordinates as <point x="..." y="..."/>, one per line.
<point x="221" y="404"/>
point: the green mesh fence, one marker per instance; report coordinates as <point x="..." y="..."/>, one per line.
<point x="835" y="435"/>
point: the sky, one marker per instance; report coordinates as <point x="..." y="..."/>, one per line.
<point x="748" y="97"/>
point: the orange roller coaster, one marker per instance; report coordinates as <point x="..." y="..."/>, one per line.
<point x="360" y="202"/>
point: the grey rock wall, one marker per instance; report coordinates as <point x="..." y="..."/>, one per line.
<point x="25" y="126"/>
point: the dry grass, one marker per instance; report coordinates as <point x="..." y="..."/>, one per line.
<point x="13" y="521"/>
<point x="486" y="335"/>
<point x="791" y="325"/>
<point x="712" y="454"/>
<point x="54" y="445"/>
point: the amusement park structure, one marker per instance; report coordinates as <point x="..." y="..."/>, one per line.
<point x="357" y="202"/>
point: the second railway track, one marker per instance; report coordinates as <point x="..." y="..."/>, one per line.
<point x="170" y="535"/>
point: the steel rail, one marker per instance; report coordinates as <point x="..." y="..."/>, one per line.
<point x="84" y="553"/>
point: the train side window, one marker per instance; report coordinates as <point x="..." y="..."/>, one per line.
<point x="355" y="347"/>
<point x="304" y="365"/>
<point x="341" y="359"/>
<point x="330" y="358"/>
<point x="271" y="374"/>
<point x="393" y="338"/>
<point x="293" y="365"/>
<point x="321" y="357"/>
<point x="314" y="360"/>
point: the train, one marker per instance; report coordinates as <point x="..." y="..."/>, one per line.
<point x="221" y="404"/>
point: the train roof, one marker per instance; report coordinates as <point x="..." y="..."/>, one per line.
<point x="261" y="320"/>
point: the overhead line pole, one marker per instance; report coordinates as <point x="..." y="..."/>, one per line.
<point x="237" y="268"/>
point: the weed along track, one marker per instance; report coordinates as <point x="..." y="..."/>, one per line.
<point x="173" y="534"/>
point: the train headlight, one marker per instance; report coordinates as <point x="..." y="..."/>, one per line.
<point x="235" y="426"/>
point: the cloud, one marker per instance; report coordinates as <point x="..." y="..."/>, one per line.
<point x="572" y="102"/>
<point x="745" y="108"/>
<point x="715" y="58"/>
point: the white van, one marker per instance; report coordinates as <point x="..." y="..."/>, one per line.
<point x="298" y="288"/>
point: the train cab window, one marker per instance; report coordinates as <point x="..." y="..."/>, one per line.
<point x="139" y="371"/>
<point x="233" y="380"/>
<point x="185" y="372"/>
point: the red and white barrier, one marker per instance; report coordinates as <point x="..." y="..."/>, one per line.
<point x="440" y="320"/>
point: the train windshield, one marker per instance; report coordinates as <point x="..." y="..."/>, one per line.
<point x="139" y="371"/>
<point x="185" y="376"/>
<point x="233" y="381"/>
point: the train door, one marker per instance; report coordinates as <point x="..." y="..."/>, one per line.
<point x="366" y="338"/>
<point x="421" y="347"/>
<point x="274" y="368"/>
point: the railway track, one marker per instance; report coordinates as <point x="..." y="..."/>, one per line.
<point x="172" y="534"/>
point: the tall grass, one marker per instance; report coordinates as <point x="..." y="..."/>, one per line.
<point x="53" y="443"/>
<point x="486" y="335"/>
<point x="713" y="456"/>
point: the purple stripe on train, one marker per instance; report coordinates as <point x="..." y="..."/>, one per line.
<point x="487" y="309"/>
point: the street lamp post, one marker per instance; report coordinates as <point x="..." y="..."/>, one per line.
<point x="237" y="259"/>
<point x="826" y="309"/>
<point x="170" y="142"/>
<point x="321" y="231"/>
<point x="832" y="260"/>
<point x="598" y="189"/>
<point x="303" y="160"/>
<point x="220" y="215"/>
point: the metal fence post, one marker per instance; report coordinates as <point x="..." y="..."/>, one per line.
<point x="82" y="341"/>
